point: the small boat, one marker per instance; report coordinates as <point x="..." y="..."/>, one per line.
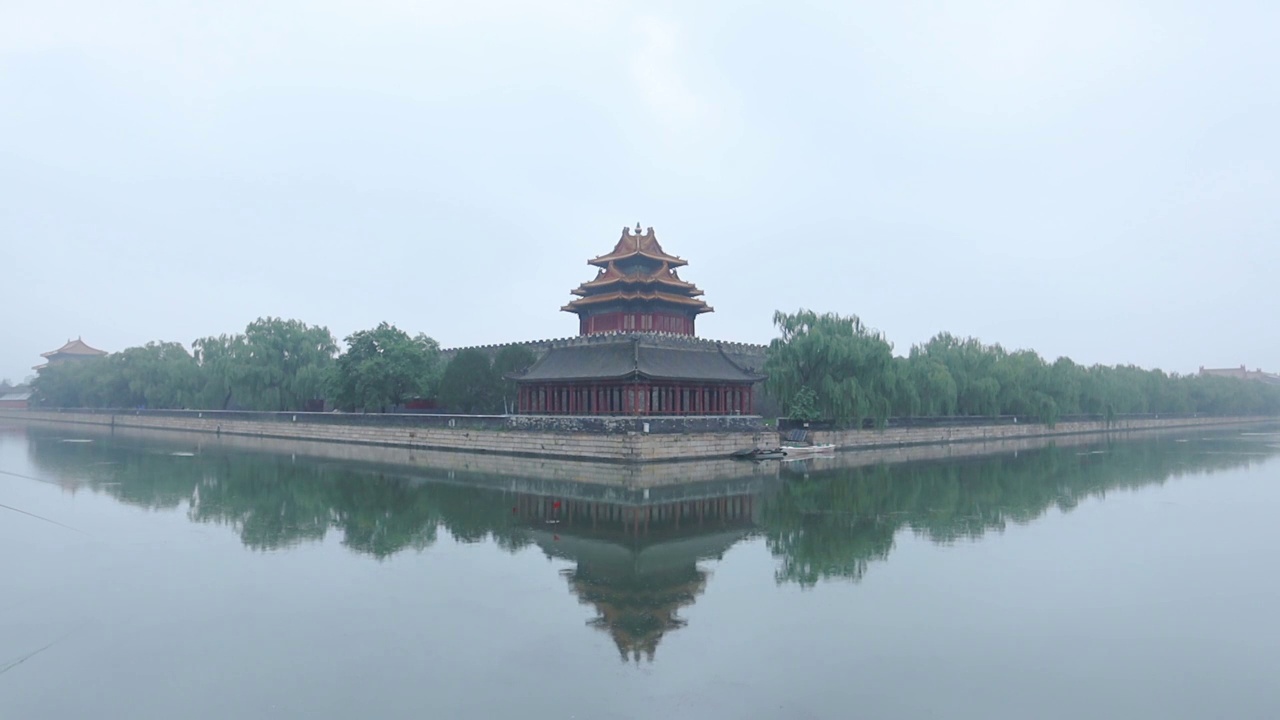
<point x="795" y="452"/>
<point x="759" y="454"/>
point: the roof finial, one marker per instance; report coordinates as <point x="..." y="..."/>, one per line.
<point x="637" y="227"/>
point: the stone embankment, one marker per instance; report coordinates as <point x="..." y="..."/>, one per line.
<point x="946" y="434"/>
<point x="615" y="440"/>
<point x="627" y="440"/>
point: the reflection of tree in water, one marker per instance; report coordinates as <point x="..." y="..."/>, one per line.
<point x="275" y="501"/>
<point x="636" y="561"/>
<point x="830" y="524"/>
<point x="834" y="524"/>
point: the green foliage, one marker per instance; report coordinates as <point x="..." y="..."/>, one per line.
<point x="804" y="405"/>
<point x="275" y="364"/>
<point x="470" y="385"/>
<point x="156" y="375"/>
<point x="845" y="365"/>
<point x="384" y="367"/>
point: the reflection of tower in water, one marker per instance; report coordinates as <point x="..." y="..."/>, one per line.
<point x="637" y="564"/>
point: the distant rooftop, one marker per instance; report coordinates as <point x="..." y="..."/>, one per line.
<point x="1242" y="373"/>
<point x="74" y="347"/>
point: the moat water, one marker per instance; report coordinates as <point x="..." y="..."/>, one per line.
<point x="169" y="578"/>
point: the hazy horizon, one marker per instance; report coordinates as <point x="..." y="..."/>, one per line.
<point x="1088" y="179"/>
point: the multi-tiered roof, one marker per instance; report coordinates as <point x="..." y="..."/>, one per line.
<point x="637" y="275"/>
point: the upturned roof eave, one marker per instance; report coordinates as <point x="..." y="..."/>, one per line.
<point x="573" y="307"/>
<point x="619" y="296"/>
<point x="604" y="284"/>
<point x="604" y="260"/>
<point x="639" y="375"/>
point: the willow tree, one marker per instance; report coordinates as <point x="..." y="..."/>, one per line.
<point x="844" y="367"/>
<point x="275" y="364"/>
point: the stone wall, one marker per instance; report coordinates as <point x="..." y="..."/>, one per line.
<point x="988" y="432"/>
<point x="581" y="479"/>
<point x="523" y="437"/>
<point x="623" y="444"/>
<point x="592" y="424"/>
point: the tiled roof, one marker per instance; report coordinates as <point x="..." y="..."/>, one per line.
<point x="633" y="358"/>
<point x="626" y="295"/>
<point x="74" y="347"/>
<point x="637" y="245"/>
<point x="663" y="274"/>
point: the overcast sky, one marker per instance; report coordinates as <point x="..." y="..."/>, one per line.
<point x="1093" y="179"/>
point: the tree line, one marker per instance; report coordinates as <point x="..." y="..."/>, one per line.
<point x="834" y="367"/>
<point x="283" y="365"/>
<point x="821" y="366"/>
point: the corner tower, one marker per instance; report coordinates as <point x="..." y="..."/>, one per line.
<point x="637" y="289"/>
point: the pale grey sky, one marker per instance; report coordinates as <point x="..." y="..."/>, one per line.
<point x="1091" y="179"/>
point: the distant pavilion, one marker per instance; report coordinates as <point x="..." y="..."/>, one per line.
<point x="73" y="350"/>
<point x="636" y="318"/>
